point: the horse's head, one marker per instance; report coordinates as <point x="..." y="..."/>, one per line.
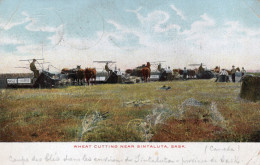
<point x="148" y="64"/>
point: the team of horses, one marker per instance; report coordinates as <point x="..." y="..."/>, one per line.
<point x="143" y="71"/>
<point x="78" y="75"/>
<point x="192" y="72"/>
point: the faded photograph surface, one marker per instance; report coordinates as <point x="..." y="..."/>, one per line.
<point x="129" y="71"/>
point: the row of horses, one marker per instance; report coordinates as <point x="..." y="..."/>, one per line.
<point x="145" y="72"/>
<point x="192" y="72"/>
<point x="78" y="75"/>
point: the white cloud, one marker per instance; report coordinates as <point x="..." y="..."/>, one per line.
<point x="158" y="27"/>
<point x="235" y="27"/>
<point x="178" y="12"/>
<point x="157" y="20"/>
<point x="123" y="35"/>
<point x="58" y="37"/>
<point x="7" y="25"/>
<point x="201" y="25"/>
<point x="29" y="49"/>
<point x="35" y="25"/>
<point x="115" y="24"/>
<point x="139" y="16"/>
<point x="9" y="41"/>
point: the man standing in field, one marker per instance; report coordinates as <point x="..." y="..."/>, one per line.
<point x="243" y="71"/>
<point x="159" y="67"/>
<point x="185" y="72"/>
<point x="233" y="74"/>
<point x="34" y="69"/>
<point x="224" y="74"/>
<point x="201" y="69"/>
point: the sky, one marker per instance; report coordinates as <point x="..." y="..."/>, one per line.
<point x="68" y="33"/>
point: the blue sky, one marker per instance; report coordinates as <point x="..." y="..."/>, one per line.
<point x="180" y="32"/>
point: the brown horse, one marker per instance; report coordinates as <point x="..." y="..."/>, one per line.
<point x="216" y="69"/>
<point x="179" y="71"/>
<point x="90" y="73"/>
<point x="146" y="72"/>
<point x="75" y="75"/>
<point x="191" y="73"/>
<point x="80" y="76"/>
<point x="129" y="71"/>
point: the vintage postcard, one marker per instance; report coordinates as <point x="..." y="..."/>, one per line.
<point x="130" y="82"/>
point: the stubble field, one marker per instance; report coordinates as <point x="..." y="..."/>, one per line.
<point x="195" y="110"/>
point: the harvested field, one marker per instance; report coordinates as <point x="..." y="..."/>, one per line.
<point x="197" y="110"/>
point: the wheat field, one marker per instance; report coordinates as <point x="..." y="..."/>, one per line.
<point x="193" y="110"/>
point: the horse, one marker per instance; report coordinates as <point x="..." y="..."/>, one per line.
<point x="90" y="73"/>
<point x="191" y="73"/>
<point x="129" y="71"/>
<point x="179" y="71"/>
<point x="70" y="73"/>
<point x="216" y="69"/>
<point x="80" y="76"/>
<point x="74" y="75"/>
<point x="146" y="72"/>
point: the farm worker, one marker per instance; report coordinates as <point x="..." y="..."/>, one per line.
<point x="185" y="72"/>
<point x="109" y="71"/>
<point x="159" y="67"/>
<point x="243" y="71"/>
<point x="201" y="69"/>
<point x="34" y="69"/>
<point x="233" y="73"/>
<point x="78" y="67"/>
<point x="224" y="73"/>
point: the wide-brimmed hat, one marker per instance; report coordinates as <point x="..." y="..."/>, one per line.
<point x="233" y="66"/>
